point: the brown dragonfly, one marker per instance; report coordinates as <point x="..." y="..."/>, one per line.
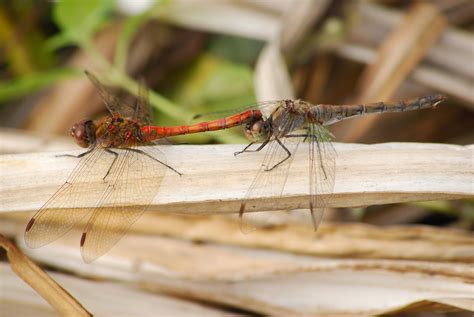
<point x="280" y="126"/>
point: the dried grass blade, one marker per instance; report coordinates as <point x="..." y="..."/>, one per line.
<point x="41" y="282"/>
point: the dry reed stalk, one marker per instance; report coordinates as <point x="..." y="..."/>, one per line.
<point x="41" y="282"/>
<point x="452" y="52"/>
<point x="398" y="55"/>
<point x="332" y="240"/>
<point x="432" y="77"/>
<point x="266" y="282"/>
<point x="361" y="241"/>
<point x="365" y="175"/>
<point x="401" y="52"/>
<point x="103" y="298"/>
<point x="445" y="65"/>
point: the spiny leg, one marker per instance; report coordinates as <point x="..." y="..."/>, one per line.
<point x="77" y="156"/>
<point x="113" y="162"/>
<point x="245" y="149"/>
<point x="155" y="159"/>
<point x="286" y="158"/>
<point x="249" y="145"/>
<point x="279" y="142"/>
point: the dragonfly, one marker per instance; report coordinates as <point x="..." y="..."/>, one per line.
<point x="117" y="177"/>
<point x="280" y="126"/>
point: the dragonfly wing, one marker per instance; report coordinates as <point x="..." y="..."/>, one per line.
<point x="59" y="214"/>
<point x="266" y="107"/>
<point x="322" y="170"/>
<point x="270" y="180"/>
<point x="113" y="104"/>
<point x="133" y="182"/>
<point x="143" y="110"/>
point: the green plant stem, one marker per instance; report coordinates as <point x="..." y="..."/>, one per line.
<point x="91" y="50"/>
<point x="159" y="102"/>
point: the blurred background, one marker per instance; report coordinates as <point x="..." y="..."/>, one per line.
<point x="199" y="56"/>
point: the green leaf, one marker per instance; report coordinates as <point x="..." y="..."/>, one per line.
<point x="80" y="20"/>
<point x="212" y="84"/>
<point x="27" y="84"/>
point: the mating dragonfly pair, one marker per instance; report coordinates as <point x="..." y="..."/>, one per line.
<point x="119" y="174"/>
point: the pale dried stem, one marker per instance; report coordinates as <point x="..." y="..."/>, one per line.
<point x="429" y="76"/>
<point x="41" y="282"/>
<point x="214" y="181"/>
<point x="397" y="56"/>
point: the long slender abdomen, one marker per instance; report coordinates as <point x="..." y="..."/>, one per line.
<point x="337" y="113"/>
<point x="405" y="105"/>
<point x="150" y="133"/>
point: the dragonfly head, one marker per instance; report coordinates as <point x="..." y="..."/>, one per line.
<point x="257" y="130"/>
<point x="83" y="133"/>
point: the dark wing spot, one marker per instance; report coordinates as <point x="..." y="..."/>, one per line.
<point x="241" y="211"/>
<point x="83" y="239"/>
<point x="30" y="224"/>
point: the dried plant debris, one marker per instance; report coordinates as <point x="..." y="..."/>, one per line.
<point x="28" y="180"/>
<point x="39" y="280"/>
<point x="102" y="298"/>
<point x="269" y="281"/>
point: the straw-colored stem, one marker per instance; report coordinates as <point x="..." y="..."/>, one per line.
<point x="214" y="181"/>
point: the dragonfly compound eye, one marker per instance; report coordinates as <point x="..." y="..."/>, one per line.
<point x="83" y="133"/>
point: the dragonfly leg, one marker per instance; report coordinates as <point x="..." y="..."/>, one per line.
<point x="76" y="156"/>
<point x="113" y="162"/>
<point x="287" y="152"/>
<point x="245" y="149"/>
<point x="305" y="136"/>
<point x="155" y="159"/>
<point x="256" y="150"/>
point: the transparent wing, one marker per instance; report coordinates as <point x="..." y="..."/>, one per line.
<point x="322" y="170"/>
<point x="59" y="214"/>
<point x="113" y="104"/>
<point x="143" y="110"/>
<point x="270" y="180"/>
<point x="266" y="107"/>
<point x="132" y="184"/>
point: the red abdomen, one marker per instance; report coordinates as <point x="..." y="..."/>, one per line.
<point x="150" y="133"/>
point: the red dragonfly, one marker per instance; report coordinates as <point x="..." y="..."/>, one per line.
<point x="116" y="178"/>
<point x="281" y="126"/>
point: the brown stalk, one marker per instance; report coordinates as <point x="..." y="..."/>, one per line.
<point x="41" y="282"/>
<point x="398" y="55"/>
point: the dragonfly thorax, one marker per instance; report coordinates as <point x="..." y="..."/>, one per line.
<point x="118" y="132"/>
